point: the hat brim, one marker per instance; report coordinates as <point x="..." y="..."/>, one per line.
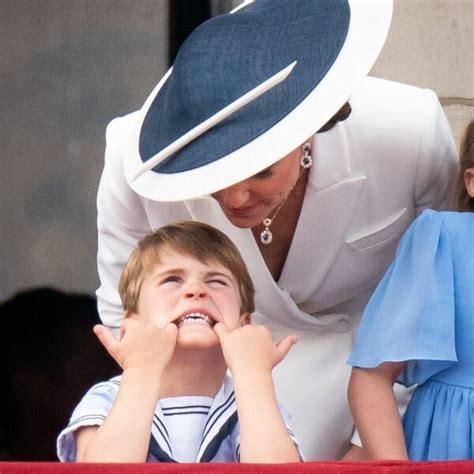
<point x="368" y="29"/>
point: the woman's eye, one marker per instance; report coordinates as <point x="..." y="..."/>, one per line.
<point x="266" y="173"/>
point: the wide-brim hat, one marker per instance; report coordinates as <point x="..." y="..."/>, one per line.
<point x="249" y="87"/>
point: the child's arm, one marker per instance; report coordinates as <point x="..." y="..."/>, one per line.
<point x="251" y="355"/>
<point x="374" y="408"/>
<point x="143" y="353"/>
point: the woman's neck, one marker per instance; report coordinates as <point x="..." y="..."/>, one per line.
<point x="283" y="229"/>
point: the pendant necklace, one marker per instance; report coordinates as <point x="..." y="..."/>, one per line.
<point x="306" y="161"/>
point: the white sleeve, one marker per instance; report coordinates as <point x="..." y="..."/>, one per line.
<point x="438" y="162"/>
<point x="286" y="418"/>
<point x="121" y="223"/>
<point x="92" y="410"/>
<point x="123" y="219"/>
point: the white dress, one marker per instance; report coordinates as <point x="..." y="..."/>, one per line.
<point x="372" y="175"/>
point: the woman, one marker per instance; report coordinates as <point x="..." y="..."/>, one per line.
<point x="229" y="137"/>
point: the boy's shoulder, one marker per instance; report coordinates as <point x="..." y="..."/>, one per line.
<point x="112" y="383"/>
<point x="106" y="390"/>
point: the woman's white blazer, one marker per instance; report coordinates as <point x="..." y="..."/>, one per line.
<point x="372" y="175"/>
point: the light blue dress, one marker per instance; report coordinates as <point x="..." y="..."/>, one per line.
<point x="422" y="313"/>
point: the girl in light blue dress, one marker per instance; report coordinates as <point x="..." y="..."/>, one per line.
<point x="418" y="328"/>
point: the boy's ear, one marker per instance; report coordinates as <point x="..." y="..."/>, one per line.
<point x="469" y="181"/>
<point x="126" y="315"/>
<point x="245" y="319"/>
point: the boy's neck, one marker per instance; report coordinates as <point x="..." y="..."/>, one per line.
<point x="191" y="372"/>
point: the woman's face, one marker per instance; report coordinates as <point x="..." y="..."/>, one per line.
<point x="248" y="202"/>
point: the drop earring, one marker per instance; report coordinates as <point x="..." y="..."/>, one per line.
<point x="306" y="161"/>
<point x="306" y="157"/>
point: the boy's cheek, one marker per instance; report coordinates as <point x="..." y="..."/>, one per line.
<point x="234" y="323"/>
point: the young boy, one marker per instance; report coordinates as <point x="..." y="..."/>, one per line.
<point x="187" y="298"/>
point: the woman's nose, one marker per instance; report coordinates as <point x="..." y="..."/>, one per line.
<point x="234" y="196"/>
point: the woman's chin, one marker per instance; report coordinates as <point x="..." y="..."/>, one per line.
<point x="247" y="219"/>
<point x="245" y="222"/>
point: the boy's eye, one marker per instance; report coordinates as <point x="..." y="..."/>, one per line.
<point x="170" y="279"/>
<point x="217" y="281"/>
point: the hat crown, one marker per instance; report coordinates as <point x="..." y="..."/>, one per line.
<point x="229" y="55"/>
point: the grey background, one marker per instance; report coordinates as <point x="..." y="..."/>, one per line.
<point x="69" y="66"/>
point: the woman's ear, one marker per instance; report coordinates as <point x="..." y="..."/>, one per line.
<point x="469" y="181"/>
<point x="245" y="319"/>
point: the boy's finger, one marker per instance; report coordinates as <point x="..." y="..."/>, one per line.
<point x="171" y="329"/>
<point x="282" y="348"/>
<point x="221" y="330"/>
<point x="106" y="338"/>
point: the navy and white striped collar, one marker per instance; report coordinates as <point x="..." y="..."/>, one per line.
<point x="219" y="424"/>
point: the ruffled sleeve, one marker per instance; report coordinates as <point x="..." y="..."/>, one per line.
<point x="410" y="316"/>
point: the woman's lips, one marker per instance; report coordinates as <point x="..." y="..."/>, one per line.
<point x="243" y="212"/>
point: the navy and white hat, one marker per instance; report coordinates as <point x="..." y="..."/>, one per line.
<point x="249" y="87"/>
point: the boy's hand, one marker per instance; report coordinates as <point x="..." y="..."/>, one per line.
<point x="252" y="347"/>
<point x="142" y="345"/>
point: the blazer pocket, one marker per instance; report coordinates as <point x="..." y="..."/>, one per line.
<point x="381" y="235"/>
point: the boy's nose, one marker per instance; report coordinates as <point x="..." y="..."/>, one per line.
<point x="195" y="290"/>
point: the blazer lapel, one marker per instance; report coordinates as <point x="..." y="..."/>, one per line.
<point x="330" y="202"/>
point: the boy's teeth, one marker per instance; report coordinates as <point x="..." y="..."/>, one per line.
<point x="196" y="318"/>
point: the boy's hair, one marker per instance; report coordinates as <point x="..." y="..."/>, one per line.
<point x="463" y="201"/>
<point x="200" y="241"/>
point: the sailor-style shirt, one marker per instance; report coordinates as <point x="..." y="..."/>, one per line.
<point x="184" y="429"/>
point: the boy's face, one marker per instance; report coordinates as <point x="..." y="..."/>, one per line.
<point x="193" y="295"/>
